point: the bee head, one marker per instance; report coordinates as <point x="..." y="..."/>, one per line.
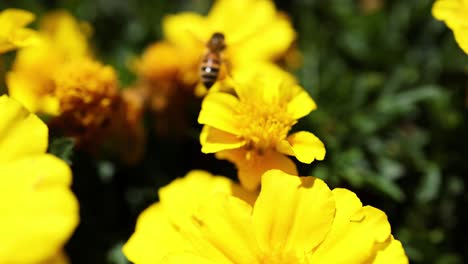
<point x="216" y="42"/>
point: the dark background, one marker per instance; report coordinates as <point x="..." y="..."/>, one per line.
<point x="391" y="86"/>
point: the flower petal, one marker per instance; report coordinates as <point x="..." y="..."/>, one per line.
<point x="264" y="36"/>
<point x="454" y="13"/>
<point x="21" y="133"/>
<point x="393" y="253"/>
<point x="448" y="11"/>
<point x="40" y="208"/>
<point x="187" y="30"/>
<point x="214" y="140"/>
<point x="16" y="18"/>
<point x="218" y="111"/>
<point x="153" y="231"/>
<point x="68" y="36"/>
<point x="252" y="165"/>
<point x="169" y="225"/>
<point x="292" y="214"/>
<point x="305" y="146"/>
<point x="23" y="37"/>
<point x="24" y="89"/>
<point x="301" y="105"/>
<point x="183" y="196"/>
<point x="185" y="257"/>
<point x="461" y="36"/>
<point x="269" y="42"/>
<point x="354" y="233"/>
<point x="226" y="223"/>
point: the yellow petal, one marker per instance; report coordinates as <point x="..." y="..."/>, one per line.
<point x="304" y="145"/>
<point x="301" y="105"/>
<point x="12" y="33"/>
<point x="187" y="30"/>
<point x="153" y="231"/>
<point x="218" y="111"/>
<point x="21" y="133"/>
<point x="226" y="223"/>
<point x="41" y="212"/>
<point x="223" y="16"/>
<point x="16" y="17"/>
<point x="185" y="257"/>
<point x="264" y="36"/>
<point x="354" y="233"/>
<point x="393" y="253"/>
<point x="214" y="140"/>
<point x="448" y="11"/>
<point x="23" y="37"/>
<point x="24" y="89"/>
<point x="454" y="13"/>
<point x="292" y="214"/>
<point x="67" y="34"/>
<point x="183" y="196"/>
<point x="252" y="165"/>
<point x="169" y="225"/>
<point x="461" y="36"/>
<point x="269" y="42"/>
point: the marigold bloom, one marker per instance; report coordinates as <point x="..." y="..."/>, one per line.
<point x="38" y="212"/>
<point x="251" y="127"/>
<point x="307" y="223"/>
<point x="455" y="14"/>
<point x="13" y="34"/>
<point x="62" y="39"/>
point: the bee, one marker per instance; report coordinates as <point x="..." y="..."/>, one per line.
<point x="212" y="59"/>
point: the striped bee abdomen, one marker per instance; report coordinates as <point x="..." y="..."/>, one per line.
<point x="209" y="69"/>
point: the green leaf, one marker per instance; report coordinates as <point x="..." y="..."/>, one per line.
<point x="430" y="185"/>
<point x="62" y="148"/>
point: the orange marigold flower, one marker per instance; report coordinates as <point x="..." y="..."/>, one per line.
<point x="87" y="92"/>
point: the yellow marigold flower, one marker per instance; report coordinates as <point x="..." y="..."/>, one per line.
<point x="13" y="34"/>
<point x="62" y="39"/>
<point x="251" y="127"/>
<point x="265" y="35"/>
<point x="166" y="225"/>
<point x="307" y="223"/>
<point x="38" y="212"/>
<point x="455" y="14"/>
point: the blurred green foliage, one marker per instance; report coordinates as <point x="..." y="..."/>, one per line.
<point x="391" y="86"/>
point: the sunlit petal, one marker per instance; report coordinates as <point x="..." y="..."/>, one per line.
<point x="21" y="133"/>
<point x="305" y="146"/>
<point x="285" y="214"/>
